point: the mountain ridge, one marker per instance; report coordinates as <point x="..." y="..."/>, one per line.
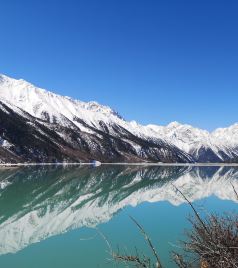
<point x="188" y="143"/>
<point x="4" y="77"/>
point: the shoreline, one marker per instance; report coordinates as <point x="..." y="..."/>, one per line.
<point x="119" y="163"/>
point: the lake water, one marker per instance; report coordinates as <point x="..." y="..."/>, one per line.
<point x="52" y="217"/>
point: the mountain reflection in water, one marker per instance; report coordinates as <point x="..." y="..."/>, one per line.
<point x="38" y="202"/>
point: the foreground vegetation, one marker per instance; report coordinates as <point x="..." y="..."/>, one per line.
<point x="212" y="242"/>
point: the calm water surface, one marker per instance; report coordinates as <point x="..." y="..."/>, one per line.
<point x="49" y="216"/>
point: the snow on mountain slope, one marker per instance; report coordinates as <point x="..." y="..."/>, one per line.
<point x="37" y="140"/>
<point x="55" y="108"/>
<point x="218" y="146"/>
<point x="91" y="118"/>
<point x="54" y="201"/>
<point x="184" y="136"/>
<point x="47" y="105"/>
<point x="226" y="136"/>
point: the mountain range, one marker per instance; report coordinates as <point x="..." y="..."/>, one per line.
<point x="37" y="125"/>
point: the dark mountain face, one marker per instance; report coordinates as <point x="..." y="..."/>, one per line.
<point x="207" y="155"/>
<point x="30" y="139"/>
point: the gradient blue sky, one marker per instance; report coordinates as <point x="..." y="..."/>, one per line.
<point x="152" y="61"/>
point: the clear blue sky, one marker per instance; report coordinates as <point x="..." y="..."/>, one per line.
<point x="153" y="61"/>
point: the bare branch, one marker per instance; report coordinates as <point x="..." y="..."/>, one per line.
<point x="234" y="190"/>
<point x="193" y="208"/>
<point x="159" y="265"/>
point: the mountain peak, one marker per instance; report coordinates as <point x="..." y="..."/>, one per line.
<point x="174" y="124"/>
<point x="38" y="101"/>
<point x="4" y="78"/>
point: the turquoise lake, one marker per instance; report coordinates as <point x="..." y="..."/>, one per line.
<point x="52" y="217"/>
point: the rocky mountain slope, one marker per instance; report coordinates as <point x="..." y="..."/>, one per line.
<point x="25" y="138"/>
<point x="39" y="126"/>
<point x="56" y="128"/>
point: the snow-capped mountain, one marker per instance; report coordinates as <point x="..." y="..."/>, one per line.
<point x="90" y="130"/>
<point x="32" y="118"/>
<point x="52" y="201"/>
<point x="220" y="145"/>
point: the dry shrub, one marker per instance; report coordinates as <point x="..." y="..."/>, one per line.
<point x="213" y="243"/>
